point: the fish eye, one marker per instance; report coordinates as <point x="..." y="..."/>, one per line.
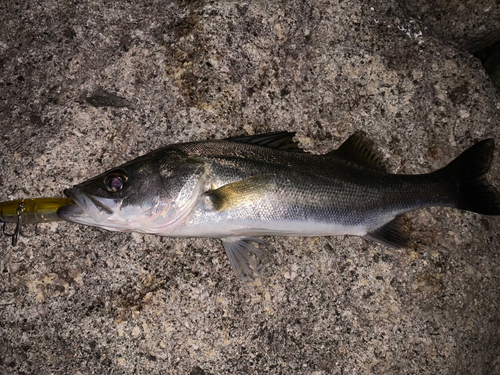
<point x="115" y="181"/>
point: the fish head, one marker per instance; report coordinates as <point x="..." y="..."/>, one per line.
<point x="143" y="195"/>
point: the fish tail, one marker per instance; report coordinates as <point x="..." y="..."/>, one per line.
<point x="468" y="172"/>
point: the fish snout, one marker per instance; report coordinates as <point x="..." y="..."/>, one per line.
<point x="98" y="208"/>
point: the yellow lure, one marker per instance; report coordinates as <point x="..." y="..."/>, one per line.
<point x="33" y="211"/>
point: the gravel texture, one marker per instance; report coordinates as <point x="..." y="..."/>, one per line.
<point x="85" y="86"/>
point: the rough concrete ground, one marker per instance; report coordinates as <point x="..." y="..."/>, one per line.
<point x="85" y="86"/>
<point x="490" y="58"/>
<point x="473" y="25"/>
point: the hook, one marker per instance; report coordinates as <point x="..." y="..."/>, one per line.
<point x="18" y="231"/>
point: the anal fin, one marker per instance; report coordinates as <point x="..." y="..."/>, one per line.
<point x="245" y="259"/>
<point x="390" y="234"/>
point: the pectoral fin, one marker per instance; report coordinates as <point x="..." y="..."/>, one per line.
<point x="390" y="234"/>
<point x="244" y="258"/>
<point x="239" y="193"/>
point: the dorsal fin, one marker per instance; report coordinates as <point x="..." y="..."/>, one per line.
<point x="360" y="149"/>
<point x="277" y="140"/>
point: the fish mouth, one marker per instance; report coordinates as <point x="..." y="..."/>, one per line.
<point x="88" y="209"/>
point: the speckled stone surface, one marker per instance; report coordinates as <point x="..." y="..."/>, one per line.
<point x="473" y="25"/>
<point x="85" y="86"/>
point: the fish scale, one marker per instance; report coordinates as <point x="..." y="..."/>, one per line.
<point x="349" y="198"/>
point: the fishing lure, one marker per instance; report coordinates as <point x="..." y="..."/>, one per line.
<point x="29" y="211"/>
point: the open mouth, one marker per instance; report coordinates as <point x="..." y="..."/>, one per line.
<point x="87" y="207"/>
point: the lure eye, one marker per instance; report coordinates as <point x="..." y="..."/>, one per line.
<point x="115" y="181"/>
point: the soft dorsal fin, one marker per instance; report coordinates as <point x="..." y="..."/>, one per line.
<point x="361" y="149"/>
<point x="277" y="140"/>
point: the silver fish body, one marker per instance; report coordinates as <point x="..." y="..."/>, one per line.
<point x="244" y="187"/>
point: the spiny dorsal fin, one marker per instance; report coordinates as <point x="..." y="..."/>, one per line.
<point x="361" y="149"/>
<point x="390" y="234"/>
<point x="277" y="140"/>
<point x="236" y="194"/>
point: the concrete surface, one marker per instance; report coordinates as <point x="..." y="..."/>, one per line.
<point x="85" y="86"/>
<point x="490" y="58"/>
<point x="473" y="25"/>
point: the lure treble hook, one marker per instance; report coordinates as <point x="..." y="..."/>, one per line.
<point x="19" y="225"/>
<point x="29" y="211"/>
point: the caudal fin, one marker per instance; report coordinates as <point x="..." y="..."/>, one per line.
<point x="468" y="171"/>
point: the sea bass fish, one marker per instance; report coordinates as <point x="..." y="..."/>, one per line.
<point x="240" y="188"/>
